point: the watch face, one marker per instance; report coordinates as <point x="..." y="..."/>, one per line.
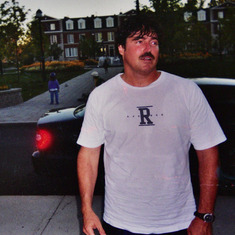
<point x="208" y="218"/>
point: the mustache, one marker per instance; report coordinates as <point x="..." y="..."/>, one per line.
<point x="147" y="54"/>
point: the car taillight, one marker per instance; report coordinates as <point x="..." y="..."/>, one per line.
<point x="43" y="139"/>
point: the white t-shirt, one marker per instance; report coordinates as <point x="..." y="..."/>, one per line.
<point x="147" y="133"/>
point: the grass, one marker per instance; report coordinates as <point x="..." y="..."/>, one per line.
<point x="31" y="82"/>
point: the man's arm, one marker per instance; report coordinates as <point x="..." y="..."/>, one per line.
<point x="87" y="169"/>
<point x="208" y="160"/>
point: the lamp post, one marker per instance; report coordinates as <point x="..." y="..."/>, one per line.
<point x="39" y="17"/>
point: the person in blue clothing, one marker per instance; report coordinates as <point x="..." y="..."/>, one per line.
<point x="53" y="87"/>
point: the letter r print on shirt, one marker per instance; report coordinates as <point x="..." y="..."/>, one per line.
<point x="145" y="115"/>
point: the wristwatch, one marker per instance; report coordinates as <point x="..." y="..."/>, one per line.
<point x="206" y="217"/>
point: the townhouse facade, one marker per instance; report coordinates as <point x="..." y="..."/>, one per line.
<point x="67" y="33"/>
<point x="211" y="18"/>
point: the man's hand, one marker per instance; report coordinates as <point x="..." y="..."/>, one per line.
<point x="91" y="222"/>
<point x="199" y="227"/>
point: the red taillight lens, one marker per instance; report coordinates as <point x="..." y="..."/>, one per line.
<point x="43" y="139"/>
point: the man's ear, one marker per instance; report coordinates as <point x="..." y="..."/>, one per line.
<point x="121" y="49"/>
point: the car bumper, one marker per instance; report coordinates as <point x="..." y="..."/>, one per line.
<point x="53" y="165"/>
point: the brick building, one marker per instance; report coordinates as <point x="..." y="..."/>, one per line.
<point x="68" y="32"/>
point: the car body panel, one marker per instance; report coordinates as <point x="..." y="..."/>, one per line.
<point x="65" y="125"/>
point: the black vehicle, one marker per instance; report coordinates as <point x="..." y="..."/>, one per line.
<point x="220" y="93"/>
<point x="58" y="130"/>
<point x="56" y="136"/>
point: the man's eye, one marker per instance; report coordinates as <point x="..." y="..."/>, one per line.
<point x="139" y="41"/>
<point x="155" y="43"/>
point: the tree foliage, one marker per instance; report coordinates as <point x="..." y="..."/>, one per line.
<point x="55" y="51"/>
<point x="168" y="16"/>
<point x="227" y="32"/>
<point x="34" y="43"/>
<point x="89" y="47"/>
<point x="178" y="35"/>
<point x="12" y="18"/>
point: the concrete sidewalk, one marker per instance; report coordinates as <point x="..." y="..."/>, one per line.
<point x="70" y="91"/>
<point x="60" y="215"/>
<point x="47" y="215"/>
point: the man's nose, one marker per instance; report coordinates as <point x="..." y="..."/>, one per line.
<point x="147" y="46"/>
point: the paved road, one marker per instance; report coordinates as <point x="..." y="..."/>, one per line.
<point x="70" y="91"/>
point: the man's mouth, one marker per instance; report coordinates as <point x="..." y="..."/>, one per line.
<point x="147" y="56"/>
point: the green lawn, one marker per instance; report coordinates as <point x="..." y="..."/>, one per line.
<point x="31" y="82"/>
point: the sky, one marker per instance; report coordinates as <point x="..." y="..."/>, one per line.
<point x="79" y="8"/>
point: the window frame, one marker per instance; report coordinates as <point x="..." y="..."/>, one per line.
<point x="110" y="36"/>
<point x="69" y="25"/>
<point x="98" y="37"/>
<point x="109" y="22"/>
<point x="82" y="23"/>
<point x="52" y="26"/>
<point x="97" y="23"/>
<point x="53" y="39"/>
<point x="71" y="52"/>
<point x="70" y="38"/>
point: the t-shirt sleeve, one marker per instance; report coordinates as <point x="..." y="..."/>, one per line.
<point x="92" y="133"/>
<point x="204" y="127"/>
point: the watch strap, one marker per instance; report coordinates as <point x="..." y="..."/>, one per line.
<point x="206" y="217"/>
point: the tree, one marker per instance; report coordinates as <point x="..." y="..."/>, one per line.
<point x="169" y="19"/>
<point x="227" y="32"/>
<point x="11" y="28"/>
<point x="55" y="51"/>
<point x="34" y="44"/>
<point x="89" y="47"/>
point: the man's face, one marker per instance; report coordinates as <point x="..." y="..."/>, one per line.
<point x="140" y="53"/>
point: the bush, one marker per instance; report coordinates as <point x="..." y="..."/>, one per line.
<point x="91" y="62"/>
<point x="55" y="65"/>
<point x="211" y="66"/>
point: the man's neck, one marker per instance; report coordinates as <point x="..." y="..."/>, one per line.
<point x="140" y="80"/>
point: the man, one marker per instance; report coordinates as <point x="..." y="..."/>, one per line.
<point x="147" y="120"/>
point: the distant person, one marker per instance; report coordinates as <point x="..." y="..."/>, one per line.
<point x="97" y="80"/>
<point x="106" y="65"/>
<point x="53" y="87"/>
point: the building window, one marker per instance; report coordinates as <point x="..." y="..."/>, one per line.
<point x="111" y="50"/>
<point x="201" y="15"/>
<point x="220" y="15"/>
<point x="71" y="52"/>
<point x="52" y="26"/>
<point x="109" y="22"/>
<point x="98" y="37"/>
<point x="110" y="36"/>
<point x="82" y="36"/>
<point x="81" y="24"/>
<point x="70" y="38"/>
<point x="53" y="39"/>
<point x="69" y="25"/>
<point x="97" y="23"/>
<point x="187" y="16"/>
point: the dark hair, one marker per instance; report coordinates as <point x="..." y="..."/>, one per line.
<point x="130" y="25"/>
<point x="53" y="76"/>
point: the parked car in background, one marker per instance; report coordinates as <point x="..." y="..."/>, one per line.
<point x="220" y="93"/>
<point x="58" y="130"/>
